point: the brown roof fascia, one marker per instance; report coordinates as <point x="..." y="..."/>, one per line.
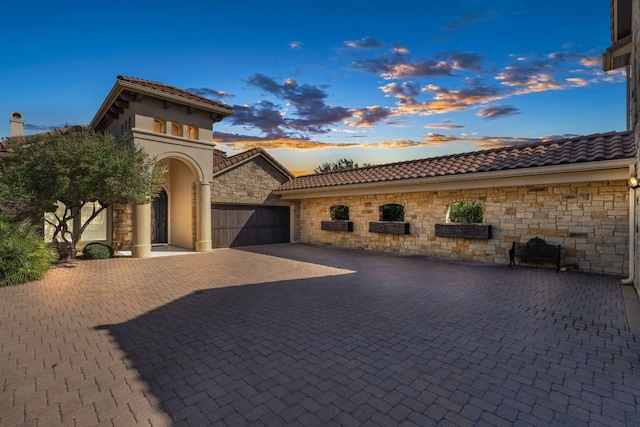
<point x="131" y="89"/>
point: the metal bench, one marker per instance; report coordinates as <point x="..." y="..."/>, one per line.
<point x="536" y="250"/>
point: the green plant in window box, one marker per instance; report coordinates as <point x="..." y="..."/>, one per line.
<point x="464" y="221"/>
<point x="339" y="219"/>
<point x="340" y="213"/>
<point x="466" y="212"/>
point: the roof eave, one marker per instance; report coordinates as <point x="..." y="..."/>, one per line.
<point x="209" y="108"/>
<point x="120" y="86"/>
<point x="108" y="101"/>
<point x="617" y="55"/>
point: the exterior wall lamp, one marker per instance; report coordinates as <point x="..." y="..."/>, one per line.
<point x="634" y="182"/>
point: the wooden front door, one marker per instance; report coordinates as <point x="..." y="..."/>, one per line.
<point x="160" y="218"/>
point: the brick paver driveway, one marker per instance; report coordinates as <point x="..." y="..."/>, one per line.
<point x="302" y="335"/>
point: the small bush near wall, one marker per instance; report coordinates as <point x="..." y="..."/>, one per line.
<point x="97" y="250"/>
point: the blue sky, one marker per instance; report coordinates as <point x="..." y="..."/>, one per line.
<point x="312" y="82"/>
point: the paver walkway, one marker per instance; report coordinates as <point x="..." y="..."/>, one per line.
<point x="303" y="335"/>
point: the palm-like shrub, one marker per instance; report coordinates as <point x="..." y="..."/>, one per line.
<point x="24" y="255"/>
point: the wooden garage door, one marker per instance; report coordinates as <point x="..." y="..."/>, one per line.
<point x="234" y="226"/>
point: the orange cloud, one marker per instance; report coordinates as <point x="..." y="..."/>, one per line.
<point x="242" y="142"/>
<point x="592" y="61"/>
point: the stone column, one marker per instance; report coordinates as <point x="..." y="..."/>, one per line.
<point x="203" y="217"/>
<point x="141" y="241"/>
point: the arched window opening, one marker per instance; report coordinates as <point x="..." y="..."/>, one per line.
<point x="392" y="212"/>
<point x="467" y="212"/>
<point x="176" y="129"/>
<point x="158" y="125"/>
<point x="192" y="132"/>
<point x="339" y="213"/>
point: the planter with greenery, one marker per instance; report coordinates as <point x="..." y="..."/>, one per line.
<point x="465" y="221"/>
<point x="339" y="219"/>
<point x="391" y="220"/>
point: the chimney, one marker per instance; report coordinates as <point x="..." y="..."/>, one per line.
<point x="16" y="123"/>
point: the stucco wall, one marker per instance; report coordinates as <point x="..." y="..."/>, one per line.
<point x="249" y="183"/>
<point x="589" y="220"/>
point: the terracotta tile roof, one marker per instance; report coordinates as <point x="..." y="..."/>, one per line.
<point x="21" y="140"/>
<point x="161" y="87"/>
<point x="592" y="148"/>
<point x="221" y="162"/>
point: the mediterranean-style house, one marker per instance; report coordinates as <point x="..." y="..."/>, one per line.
<point x="571" y="192"/>
<point x="175" y="127"/>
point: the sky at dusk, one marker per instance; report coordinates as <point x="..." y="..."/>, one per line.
<point x="312" y="82"/>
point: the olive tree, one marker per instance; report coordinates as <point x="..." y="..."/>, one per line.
<point x="69" y="171"/>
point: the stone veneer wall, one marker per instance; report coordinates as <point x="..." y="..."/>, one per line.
<point x="249" y="183"/>
<point x="122" y="226"/>
<point x="589" y="220"/>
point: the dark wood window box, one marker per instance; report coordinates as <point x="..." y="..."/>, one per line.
<point x="466" y="231"/>
<point x="336" y="225"/>
<point x="389" y="227"/>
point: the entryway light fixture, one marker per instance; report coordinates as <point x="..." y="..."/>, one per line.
<point x="634" y="182"/>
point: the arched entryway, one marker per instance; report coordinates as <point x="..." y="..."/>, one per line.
<point x="187" y="214"/>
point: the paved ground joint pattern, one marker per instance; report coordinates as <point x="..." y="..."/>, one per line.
<point x="304" y="335"/>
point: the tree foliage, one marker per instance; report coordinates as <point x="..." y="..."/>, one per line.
<point x="466" y="212"/>
<point x="392" y="212"/>
<point x="339" y="213"/>
<point x="75" y="169"/>
<point x="340" y="165"/>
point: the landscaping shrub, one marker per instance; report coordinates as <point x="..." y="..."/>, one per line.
<point x="24" y="255"/>
<point x="97" y="250"/>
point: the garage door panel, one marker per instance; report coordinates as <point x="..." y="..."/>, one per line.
<point x="236" y="226"/>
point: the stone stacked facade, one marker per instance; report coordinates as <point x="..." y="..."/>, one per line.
<point x="589" y="220"/>
<point x="248" y="183"/>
